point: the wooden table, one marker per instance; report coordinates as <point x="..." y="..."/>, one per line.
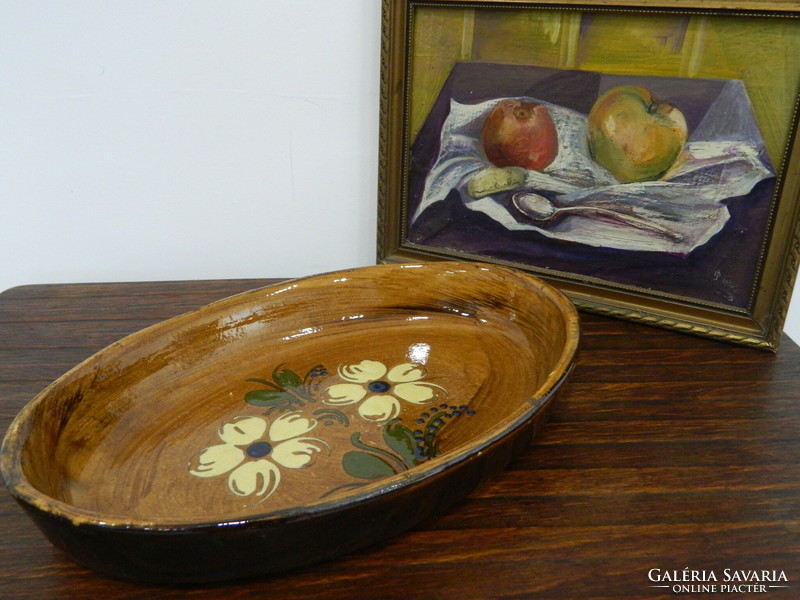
<point x="665" y="453"/>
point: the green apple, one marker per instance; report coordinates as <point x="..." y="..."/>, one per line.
<point x="633" y="135"/>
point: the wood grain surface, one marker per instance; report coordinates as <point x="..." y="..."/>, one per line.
<point x="664" y="451"/>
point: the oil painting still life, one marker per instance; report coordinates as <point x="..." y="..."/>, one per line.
<point x="557" y="155"/>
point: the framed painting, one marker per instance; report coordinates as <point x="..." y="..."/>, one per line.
<point x="640" y="156"/>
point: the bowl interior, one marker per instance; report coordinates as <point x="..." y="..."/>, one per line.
<point x="295" y="395"/>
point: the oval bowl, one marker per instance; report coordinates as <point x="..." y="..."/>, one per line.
<point x="291" y="423"/>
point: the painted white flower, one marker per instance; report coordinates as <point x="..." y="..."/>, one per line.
<point x="379" y="389"/>
<point x="253" y="459"/>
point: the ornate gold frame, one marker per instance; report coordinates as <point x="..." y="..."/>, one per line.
<point x="759" y="324"/>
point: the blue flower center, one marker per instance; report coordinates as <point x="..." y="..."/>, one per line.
<point x="259" y="449"/>
<point x="378" y="387"/>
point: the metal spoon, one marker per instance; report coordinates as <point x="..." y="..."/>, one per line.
<point x="541" y="209"/>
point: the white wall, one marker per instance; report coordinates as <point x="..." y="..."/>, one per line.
<point x="189" y="139"/>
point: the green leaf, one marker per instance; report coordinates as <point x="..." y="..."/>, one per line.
<point x="268" y="397"/>
<point x="366" y="466"/>
<point x="287" y="378"/>
<point x="401" y="439"/>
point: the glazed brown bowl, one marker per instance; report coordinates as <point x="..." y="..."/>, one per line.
<point x="292" y="423"/>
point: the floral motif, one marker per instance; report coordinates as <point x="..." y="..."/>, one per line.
<point x="255" y="449"/>
<point x="378" y="389"/>
<point x="252" y="459"/>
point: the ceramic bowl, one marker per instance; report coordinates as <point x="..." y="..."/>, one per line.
<point x="292" y="423"/>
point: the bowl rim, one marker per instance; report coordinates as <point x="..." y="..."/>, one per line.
<point x="28" y="495"/>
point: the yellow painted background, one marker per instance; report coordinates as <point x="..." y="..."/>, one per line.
<point x="761" y="51"/>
